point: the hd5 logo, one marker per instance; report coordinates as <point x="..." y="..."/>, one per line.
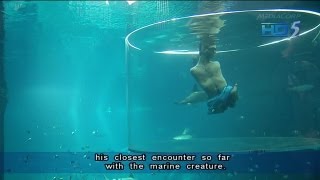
<point x="280" y="29"/>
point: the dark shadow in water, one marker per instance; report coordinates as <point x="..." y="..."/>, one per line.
<point x="233" y="144"/>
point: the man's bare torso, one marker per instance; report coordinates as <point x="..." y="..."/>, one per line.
<point x="209" y="77"/>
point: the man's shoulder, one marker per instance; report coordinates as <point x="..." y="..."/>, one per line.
<point x="215" y="62"/>
<point x="198" y="70"/>
<point x="195" y="69"/>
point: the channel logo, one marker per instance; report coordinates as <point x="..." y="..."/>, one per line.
<point x="280" y="29"/>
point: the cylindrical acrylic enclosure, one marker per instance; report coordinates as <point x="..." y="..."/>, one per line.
<point x="270" y="54"/>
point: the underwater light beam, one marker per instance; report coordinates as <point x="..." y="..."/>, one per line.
<point x="221" y="13"/>
<point x="131" y="2"/>
<point x="186" y="52"/>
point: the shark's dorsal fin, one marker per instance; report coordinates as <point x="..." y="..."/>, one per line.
<point x="131" y="175"/>
<point x="185" y="131"/>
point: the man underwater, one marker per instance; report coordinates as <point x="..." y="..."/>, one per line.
<point x="207" y="72"/>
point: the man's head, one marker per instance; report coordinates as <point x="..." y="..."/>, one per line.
<point x="207" y="48"/>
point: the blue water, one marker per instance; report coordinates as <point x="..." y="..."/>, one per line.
<point x="66" y="77"/>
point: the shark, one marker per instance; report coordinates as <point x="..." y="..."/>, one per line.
<point x="184" y="136"/>
<point x="301" y="88"/>
<point x="130" y="177"/>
